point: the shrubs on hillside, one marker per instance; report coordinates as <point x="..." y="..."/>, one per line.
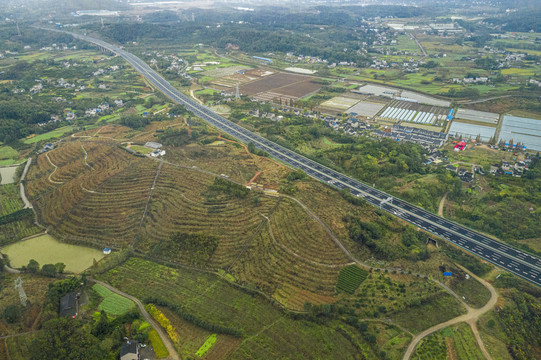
<point x="193" y="248"/>
<point x="224" y="186"/>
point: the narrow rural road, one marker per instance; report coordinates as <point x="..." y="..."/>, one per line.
<point x="487" y="99"/>
<point x="419" y="45"/>
<point x="8" y="269"/>
<point x="172" y="351"/>
<point x="27" y="204"/>
<point x="470" y="318"/>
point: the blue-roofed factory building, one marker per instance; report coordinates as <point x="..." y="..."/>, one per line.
<point x="262" y="58"/>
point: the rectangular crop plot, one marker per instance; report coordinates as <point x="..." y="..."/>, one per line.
<point x="521" y="130"/>
<point x="207" y="345"/>
<point x="350" y="278"/>
<point x="471" y="131"/>
<point x="340" y="103"/>
<point x="223" y="71"/>
<point x="365" y="108"/>
<point x="479" y="116"/>
<point x="112" y="303"/>
<point x="295" y="86"/>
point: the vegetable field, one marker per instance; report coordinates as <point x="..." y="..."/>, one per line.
<point x="207" y="345"/>
<point x="350" y="278"/>
<point x="157" y="344"/>
<point x="112" y="303"/>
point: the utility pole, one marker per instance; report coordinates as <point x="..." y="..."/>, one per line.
<point x="18" y="30"/>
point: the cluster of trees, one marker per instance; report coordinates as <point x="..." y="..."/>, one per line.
<point x="521" y="322"/>
<point x="65" y="338"/>
<point x="227" y="187"/>
<point x="520" y="21"/>
<point x="507" y="207"/>
<point x="467" y="92"/>
<point x="180" y="137"/>
<point x="60" y="288"/>
<point x="486" y="63"/>
<point x="256" y="151"/>
<point x="264" y="35"/>
<point x="11" y="313"/>
<point x="471" y="262"/>
<point x="138" y="121"/>
<point x="195" y="248"/>
<point x="378" y="236"/>
<point x="370" y="160"/>
<point x="19" y="115"/>
<point x="16" y="216"/>
<point x="49" y="270"/>
<point x="297" y="174"/>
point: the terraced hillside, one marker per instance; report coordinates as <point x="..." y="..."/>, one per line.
<point x="90" y="190"/>
<point x="293" y="258"/>
<point x="98" y="200"/>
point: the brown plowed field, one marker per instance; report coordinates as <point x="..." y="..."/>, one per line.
<point x="290" y="85"/>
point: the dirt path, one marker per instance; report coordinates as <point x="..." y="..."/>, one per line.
<point x="86" y="158"/>
<point x="470" y="318"/>
<point x="55" y="168"/>
<point x="450" y="350"/>
<point x="254" y="177"/>
<point x="172" y="351"/>
<point x="196" y="99"/>
<point x="442" y="204"/>
<point x="148" y="202"/>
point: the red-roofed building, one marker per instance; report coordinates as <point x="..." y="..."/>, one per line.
<point x="461" y="145"/>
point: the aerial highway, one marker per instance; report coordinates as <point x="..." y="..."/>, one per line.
<point x="504" y="256"/>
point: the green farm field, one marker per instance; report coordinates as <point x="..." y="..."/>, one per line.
<point x="350" y="278"/>
<point x="112" y="303"/>
<point x="49" y="135"/>
<point x="141" y="149"/>
<point x="157" y="344"/>
<point x="46" y="250"/>
<point x="8" y="155"/>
